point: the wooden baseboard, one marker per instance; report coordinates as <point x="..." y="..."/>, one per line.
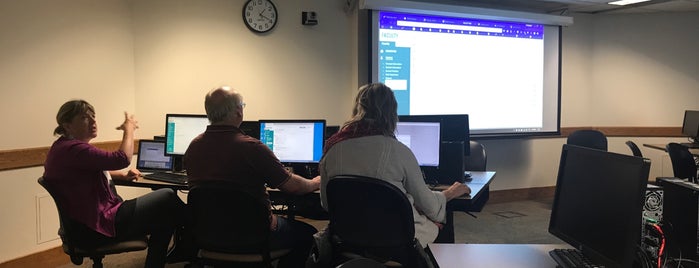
<point x="513" y="195"/>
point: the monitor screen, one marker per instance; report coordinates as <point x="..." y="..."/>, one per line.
<point x="453" y="128"/>
<point x="181" y="129"/>
<point x="690" y="125"/>
<point x="251" y="128"/>
<point x="598" y="203"/>
<point x="423" y="140"/>
<point x="294" y="141"/>
<point x="505" y="75"/>
<point x="151" y="156"/>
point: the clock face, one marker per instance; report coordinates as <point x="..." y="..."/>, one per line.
<point x="260" y="15"/>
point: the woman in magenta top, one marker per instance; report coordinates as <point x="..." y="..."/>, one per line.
<point x="79" y="173"/>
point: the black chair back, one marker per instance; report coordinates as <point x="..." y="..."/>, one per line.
<point x="589" y="138"/>
<point x="73" y="236"/>
<point x="372" y="218"/>
<point x="634" y="149"/>
<point x="477" y="159"/>
<point x="683" y="165"/>
<point x="228" y="220"/>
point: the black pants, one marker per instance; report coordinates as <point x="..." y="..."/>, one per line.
<point x="296" y="235"/>
<point x="157" y="214"/>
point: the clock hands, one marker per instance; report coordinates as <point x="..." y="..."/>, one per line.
<point x="263" y="16"/>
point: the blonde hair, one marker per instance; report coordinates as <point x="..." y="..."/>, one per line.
<point x="376" y="106"/>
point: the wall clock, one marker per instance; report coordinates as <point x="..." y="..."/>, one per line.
<point x="260" y="16"/>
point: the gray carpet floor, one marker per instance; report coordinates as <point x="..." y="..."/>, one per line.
<point x="521" y="222"/>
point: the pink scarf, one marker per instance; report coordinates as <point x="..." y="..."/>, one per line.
<point x="355" y="130"/>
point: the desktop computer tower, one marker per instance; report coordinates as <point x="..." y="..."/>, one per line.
<point x="680" y="222"/>
<point x="651" y="239"/>
<point x="451" y="162"/>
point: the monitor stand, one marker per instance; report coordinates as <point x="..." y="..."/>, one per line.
<point x="178" y="163"/>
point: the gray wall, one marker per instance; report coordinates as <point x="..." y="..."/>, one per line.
<point x="152" y="57"/>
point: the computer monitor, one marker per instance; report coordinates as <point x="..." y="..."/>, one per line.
<point x="294" y="141"/>
<point x="690" y="125"/>
<point x="251" y="128"/>
<point x="180" y="130"/>
<point x="454" y="127"/>
<point x="151" y="156"/>
<point x="598" y="203"/>
<point x="423" y="139"/>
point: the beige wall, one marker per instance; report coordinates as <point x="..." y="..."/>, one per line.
<point x="154" y="57"/>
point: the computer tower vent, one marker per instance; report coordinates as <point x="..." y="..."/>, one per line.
<point x="653" y="206"/>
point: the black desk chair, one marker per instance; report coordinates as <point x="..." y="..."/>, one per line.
<point x="372" y="218"/>
<point x="230" y="226"/>
<point x="589" y="138"/>
<point x="68" y="234"/>
<point x="683" y="165"/>
<point x="634" y="149"/>
<point x="477" y="159"/>
<point x="361" y="263"/>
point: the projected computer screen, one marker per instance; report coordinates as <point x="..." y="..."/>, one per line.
<point x="181" y="129"/>
<point x="294" y="141"/>
<point x="503" y="74"/>
<point x="423" y="139"/>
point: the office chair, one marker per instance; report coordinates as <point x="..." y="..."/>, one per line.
<point x="477" y="159"/>
<point x="67" y="232"/>
<point x="372" y="218"/>
<point x="230" y="226"/>
<point x="634" y="149"/>
<point x="361" y="263"/>
<point x="589" y="138"/>
<point x="683" y="165"/>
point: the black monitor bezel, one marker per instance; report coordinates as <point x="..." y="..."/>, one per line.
<point x="167" y="128"/>
<point x="633" y="187"/>
<point x="690" y="128"/>
<point x="138" y="154"/>
<point x="447" y="124"/>
<point x="252" y="126"/>
<point x="287" y="163"/>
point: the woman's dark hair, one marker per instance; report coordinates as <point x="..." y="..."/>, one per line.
<point x="68" y="111"/>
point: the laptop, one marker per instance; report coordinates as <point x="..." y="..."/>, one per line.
<point x="152" y="158"/>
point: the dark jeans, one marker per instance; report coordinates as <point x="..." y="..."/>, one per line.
<point x="296" y="235"/>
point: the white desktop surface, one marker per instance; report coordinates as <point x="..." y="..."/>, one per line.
<point x="494" y="255"/>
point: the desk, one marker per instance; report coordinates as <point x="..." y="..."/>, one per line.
<point x="479" y="184"/>
<point x="146" y="183"/>
<point x="693" y="151"/>
<point x="308" y="205"/>
<point x="494" y="255"/>
<point x="480" y="193"/>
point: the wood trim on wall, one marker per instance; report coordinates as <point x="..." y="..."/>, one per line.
<point x="32" y="157"/>
<point x="630" y="131"/>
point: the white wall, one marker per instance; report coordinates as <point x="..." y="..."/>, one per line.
<point x="154" y="57"/>
<point x="50" y="52"/>
<point x="185" y="48"/>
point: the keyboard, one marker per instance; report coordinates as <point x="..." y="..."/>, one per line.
<point x="167" y="177"/>
<point x="571" y="258"/>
